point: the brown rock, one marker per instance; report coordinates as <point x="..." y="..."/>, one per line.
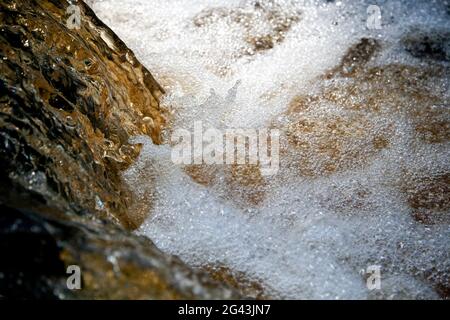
<point x="428" y="197"/>
<point x="69" y="101"/>
<point x="64" y="122"/>
<point x="272" y="17"/>
<point x="247" y="287"/>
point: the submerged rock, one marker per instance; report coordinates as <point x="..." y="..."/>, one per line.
<point x="264" y="23"/>
<point x="354" y="114"/>
<point x="428" y="196"/>
<point x="432" y="44"/>
<point x="70" y="97"/>
<point x="355" y="117"/>
<point x="356" y="57"/>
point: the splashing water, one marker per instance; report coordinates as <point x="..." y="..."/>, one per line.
<point x="355" y="182"/>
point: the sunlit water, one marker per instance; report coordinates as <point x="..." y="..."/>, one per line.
<point x="306" y="238"/>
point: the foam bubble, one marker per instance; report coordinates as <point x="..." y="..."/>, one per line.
<point x="312" y="234"/>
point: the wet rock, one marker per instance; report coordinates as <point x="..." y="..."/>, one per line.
<point x="348" y="122"/>
<point x="202" y="174"/>
<point x="113" y="263"/>
<point x="265" y="23"/>
<point x="248" y="287"/>
<point x="348" y="199"/>
<point x="355" y="117"/>
<point x="428" y="196"/>
<point x="329" y="144"/>
<point x="430" y="44"/>
<point x="242" y="183"/>
<point x="70" y="99"/>
<point x="246" y="184"/>
<point x="65" y="124"/>
<point x="356" y="57"/>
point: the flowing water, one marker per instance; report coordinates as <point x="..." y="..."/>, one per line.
<point x="364" y="170"/>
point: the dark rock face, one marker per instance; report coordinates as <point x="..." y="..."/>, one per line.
<point x="113" y="264"/>
<point x="69" y="101"/>
<point x="434" y="45"/>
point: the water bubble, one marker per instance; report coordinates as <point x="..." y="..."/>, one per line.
<point x="312" y="233"/>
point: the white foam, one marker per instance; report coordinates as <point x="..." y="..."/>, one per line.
<point x="295" y="242"/>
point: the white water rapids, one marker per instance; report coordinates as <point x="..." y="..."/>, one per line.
<point x="310" y="236"/>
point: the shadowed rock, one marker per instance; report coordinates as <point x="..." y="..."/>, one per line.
<point x="113" y="263"/>
<point x="70" y="98"/>
<point x="433" y="45"/>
